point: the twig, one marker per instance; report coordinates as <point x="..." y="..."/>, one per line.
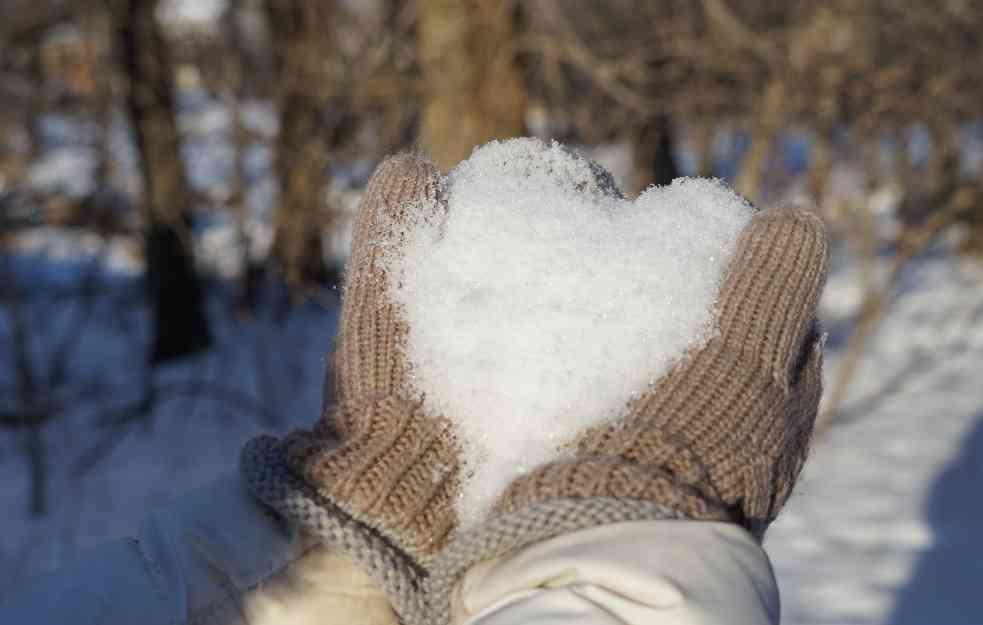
<point x="874" y="307"/>
<point x="27" y="391"/>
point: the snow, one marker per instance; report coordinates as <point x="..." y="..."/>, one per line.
<point x="263" y="374"/>
<point x="546" y="301"/>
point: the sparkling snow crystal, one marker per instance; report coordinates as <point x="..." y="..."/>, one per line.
<point x="546" y="301"/>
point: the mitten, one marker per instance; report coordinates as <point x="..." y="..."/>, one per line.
<point x="384" y="493"/>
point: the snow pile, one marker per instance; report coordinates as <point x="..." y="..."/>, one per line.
<point x="546" y="301"/>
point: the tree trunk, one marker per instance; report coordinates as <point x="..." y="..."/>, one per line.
<point x="181" y="327"/>
<point x="475" y="92"/>
<point x="233" y="92"/>
<point x="299" y="30"/>
<point x="655" y="161"/>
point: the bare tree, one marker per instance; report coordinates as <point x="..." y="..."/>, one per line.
<point x="181" y="327"/>
<point x="654" y="153"/>
<point x="301" y="45"/>
<point x="474" y="89"/>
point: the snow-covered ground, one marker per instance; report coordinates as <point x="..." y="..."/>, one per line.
<point x="108" y="462"/>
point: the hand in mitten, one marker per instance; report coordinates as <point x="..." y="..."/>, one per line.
<point x="722" y="436"/>
<point x="725" y="433"/>
<point x="384" y="494"/>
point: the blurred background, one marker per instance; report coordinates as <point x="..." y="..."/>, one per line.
<point x="178" y="180"/>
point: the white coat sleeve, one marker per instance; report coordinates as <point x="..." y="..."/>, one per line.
<point x="217" y="558"/>
<point x="651" y="572"/>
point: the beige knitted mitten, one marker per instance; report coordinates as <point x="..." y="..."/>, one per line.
<point x="721" y="437"/>
<point x="385" y="494"/>
<point x="384" y="474"/>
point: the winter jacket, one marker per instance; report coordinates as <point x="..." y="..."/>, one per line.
<point x="219" y="558"/>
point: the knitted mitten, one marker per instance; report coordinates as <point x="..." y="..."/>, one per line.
<point x="385" y="494"/>
<point x="722" y="436"/>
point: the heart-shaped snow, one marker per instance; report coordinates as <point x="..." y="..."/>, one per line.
<point x="546" y="301"/>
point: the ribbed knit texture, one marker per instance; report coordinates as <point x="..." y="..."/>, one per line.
<point x="397" y="468"/>
<point x="375" y="476"/>
<point x="385" y="563"/>
<point x="394" y="472"/>
<point x="369" y="360"/>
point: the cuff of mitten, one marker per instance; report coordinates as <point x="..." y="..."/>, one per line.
<point x="267" y="476"/>
<point x="508" y="532"/>
<point x="614" y="478"/>
<point x="396" y="471"/>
